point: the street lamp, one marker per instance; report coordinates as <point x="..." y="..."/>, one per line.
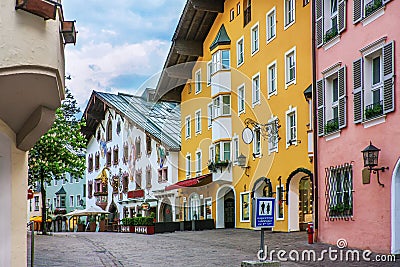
<point x="242" y="163"/>
<point x="370" y="156"/>
<point x="81" y="203"/>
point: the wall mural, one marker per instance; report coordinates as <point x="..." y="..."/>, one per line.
<point x="103" y="146"/>
<point x="132" y="159"/>
<point x="161" y="155"/>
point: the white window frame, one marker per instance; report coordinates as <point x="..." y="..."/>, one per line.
<point x="241" y="206"/>
<point x="210" y="115"/>
<point x="272" y="65"/>
<point x="287" y="67"/>
<point x="197" y="121"/>
<point x="235" y="148"/>
<point x="232" y="14"/>
<point x="188" y="165"/>
<point x="272" y="149"/>
<point x="78" y="200"/>
<point x="238" y="9"/>
<point x="217" y="61"/>
<point x="211" y="153"/>
<point x="218" y="106"/>
<point x="290" y="111"/>
<point x="256" y="94"/>
<point x="257" y="143"/>
<point x="197" y="82"/>
<point x="222" y="150"/>
<point x="255" y="38"/>
<point x="206" y="201"/>
<point x="198" y="162"/>
<point x="270" y="26"/>
<point x="239" y="43"/>
<point x="188" y="127"/>
<point x="71" y="201"/>
<point x="277" y="203"/>
<point x="241" y="99"/>
<point x="287" y="23"/>
<point x="209" y="72"/>
<point x="367" y="71"/>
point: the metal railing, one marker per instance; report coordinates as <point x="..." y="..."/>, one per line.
<point x="32" y="230"/>
<point x="330" y="34"/>
<point x="374" y="110"/>
<point x="372" y="6"/>
<point x="332" y="126"/>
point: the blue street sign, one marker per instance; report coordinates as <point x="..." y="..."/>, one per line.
<point x="265" y="212"/>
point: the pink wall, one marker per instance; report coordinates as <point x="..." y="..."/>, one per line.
<point x="371" y="228"/>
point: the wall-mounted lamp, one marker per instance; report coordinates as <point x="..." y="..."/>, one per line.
<point x="371" y="155"/>
<point x="243" y="163"/>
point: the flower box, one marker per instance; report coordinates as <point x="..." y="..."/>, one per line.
<point x="147" y="230"/>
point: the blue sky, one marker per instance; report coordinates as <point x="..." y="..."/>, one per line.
<point x="121" y="44"/>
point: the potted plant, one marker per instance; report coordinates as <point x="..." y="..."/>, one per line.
<point x="128" y="225"/>
<point x="92" y="224"/>
<point x="80" y="225"/>
<point x="144" y="225"/>
<point x="102" y="223"/>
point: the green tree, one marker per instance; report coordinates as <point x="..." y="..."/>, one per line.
<point x="59" y="151"/>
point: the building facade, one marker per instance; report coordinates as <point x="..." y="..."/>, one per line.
<point x="132" y="154"/>
<point x="241" y="71"/>
<point x="357" y="60"/>
<point x="32" y="86"/>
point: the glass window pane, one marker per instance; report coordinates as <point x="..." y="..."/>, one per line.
<point x="225" y="59"/>
<point x="227" y="151"/>
<point x="335" y="90"/>
<point x="376" y="70"/>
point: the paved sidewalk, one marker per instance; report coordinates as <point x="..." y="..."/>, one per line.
<point x="224" y="247"/>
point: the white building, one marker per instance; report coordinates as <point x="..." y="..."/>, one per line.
<point x="132" y="154"/>
<point x="32" y="39"/>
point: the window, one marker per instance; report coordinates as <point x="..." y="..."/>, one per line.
<point x="245" y="207"/>
<point x="108" y="157"/>
<point x="330" y="19"/>
<point x="148" y="177"/>
<point x="332" y="110"/>
<point x="208" y="208"/>
<point x="279" y="203"/>
<point x="373" y="82"/>
<point x="126" y="153"/>
<point x="109" y="130"/>
<point x="289" y="12"/>
<point x="222" y="151"/>
<point x="235" y="142"/>
<point x="340" y="191"/>
<point x="247" y="12"/>
<point x="71" y="179"/>
<point x="115" y="155"/>
<point x="138" y="150"/>
<point x="271" y="25"/>
<point x="36" y="203"/>
<point x="209" y="71"/>
<point x="55" y="205"/>
<point x="71" y="201"/>
<point x="272" y="79"/>
<point x="290" y="68"/>
<point x="210" y="114"/>
<point x="238" y="9"/>
<point x="78" y="200"/>
<point x="197" y="82"/>
<point x="187" y="128"/>
<point x="254" y="39"/>
<point x="138" y="180"/>
<point x="232" y="14"/>
<point x="55" y="182"/>
<point x="197" y="120"/>
<point x="241" y="99"/>
<point x="188" y="171"/>
<point x="256" y="89"/>
<point x="273" y="136"/>
<point x="90" y="164"/>
<point x="148" y="144"/>
<point x="291" y="127"/>
<point x="365" y="8"/>
<point x="90" y="189"/>
<point x="62" y="201"/>
<point x="222" y="106"/>
<point x="257" y="142"/>
<point x="221" y="60"/>
<point x="198" y="163"/>
<point x="240" y="51"/>
<point x="97" y="160"/>
<point x="165" y="174"/>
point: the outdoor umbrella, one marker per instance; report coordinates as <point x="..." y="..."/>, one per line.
<point x="92" y="210"/>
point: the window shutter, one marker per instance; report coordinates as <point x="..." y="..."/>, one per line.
<point x="358" y="90"/>
<point x="341" y="16"/>
<point x="388" y="77"/>
<point x="320" y="107"/>
<point x="342" y="97"/>
<point x="357" y="11"/>
<point x="319" y="22"/>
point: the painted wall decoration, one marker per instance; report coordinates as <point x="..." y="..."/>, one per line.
<point x="161" y="155"/>
<point x="103" y="146"/>
<point x="132" y="159"/>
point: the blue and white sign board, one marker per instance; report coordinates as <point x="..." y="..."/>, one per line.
<point x="265" y="212"/>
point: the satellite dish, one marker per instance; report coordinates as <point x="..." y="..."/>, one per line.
<point x="247" y="135"/>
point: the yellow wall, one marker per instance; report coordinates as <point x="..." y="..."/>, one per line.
<point x="285" y="160"/>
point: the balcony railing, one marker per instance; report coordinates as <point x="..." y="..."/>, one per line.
<point x="332" y="126"/>
<point x="374" y="110"/>
<point x="372" y="6"/>
<point x="330" y="34"/>
<point x="247" y="16"/>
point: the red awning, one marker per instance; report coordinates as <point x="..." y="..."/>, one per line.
<point x="193" y="182"/>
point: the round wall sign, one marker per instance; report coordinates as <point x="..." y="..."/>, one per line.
<point x="247" y="135"/>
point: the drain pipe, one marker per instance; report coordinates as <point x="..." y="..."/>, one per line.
<point x="315" y="120"/>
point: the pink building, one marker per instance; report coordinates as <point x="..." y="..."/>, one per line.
<point x="357" y="100"/>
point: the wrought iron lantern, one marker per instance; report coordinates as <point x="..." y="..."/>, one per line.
<point x="68" y="31"/>
<point x="242" y="163"/>
<point x="371" y="156"/>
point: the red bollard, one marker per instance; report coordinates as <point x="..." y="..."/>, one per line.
<point x="310" y="232"/>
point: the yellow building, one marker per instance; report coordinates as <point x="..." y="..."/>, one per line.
<point x="235" y="65"/>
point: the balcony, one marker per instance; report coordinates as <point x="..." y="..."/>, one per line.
<point x="330" y="34"/>
<point x="332" y="126"/>
<point x="374" y="110"/>
<point x="247" y="16"/>
<point x="41" y="8"/>
<point x="372" y="6"/>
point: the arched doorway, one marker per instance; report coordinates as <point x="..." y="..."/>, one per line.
<point x="113" y="216"/>
<point x="225" y="207"/>
<point x="395" y="210"/>
<point x="299" y="196"/>
<point x="166" y="211"/>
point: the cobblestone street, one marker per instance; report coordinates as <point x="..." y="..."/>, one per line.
<point x="225" y="247"/>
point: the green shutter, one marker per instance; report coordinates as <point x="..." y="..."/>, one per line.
<point x="357" y="10"/>
<point x="388" y="77"/>
<point x="342" y="97"/>
<point x="358" y="90"/>
<point x="320" y="107"/>
<point x="319" y="22"/>
<point x="341" y="16"/>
